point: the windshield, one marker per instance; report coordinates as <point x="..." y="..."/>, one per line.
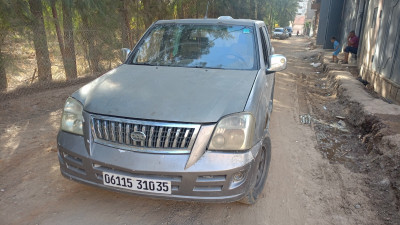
<point x="201" y="46"/>
<point x="278" y="29"/>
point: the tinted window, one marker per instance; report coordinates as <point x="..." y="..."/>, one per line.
<point x="205" y="46"/>
<point x="264" y="47"/>
<point x="267" y="39"/>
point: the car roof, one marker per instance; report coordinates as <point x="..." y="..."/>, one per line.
<point x="245" y="22"/>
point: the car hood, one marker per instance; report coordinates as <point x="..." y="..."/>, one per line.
<point x="178" y="94"/>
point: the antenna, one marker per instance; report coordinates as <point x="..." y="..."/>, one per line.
<point x="205" y="17"/>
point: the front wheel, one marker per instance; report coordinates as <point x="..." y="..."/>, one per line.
<point x="261" y="174"/>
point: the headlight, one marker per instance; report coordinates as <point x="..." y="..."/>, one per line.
<point x="72" y="118"/>
<point x="234" y="132"/>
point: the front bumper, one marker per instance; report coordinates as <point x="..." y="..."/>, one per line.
<point x="210" y="178"/>
<point x="280" y="36"/>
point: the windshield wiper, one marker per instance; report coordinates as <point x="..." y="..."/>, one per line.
<point x="144" y="64"/>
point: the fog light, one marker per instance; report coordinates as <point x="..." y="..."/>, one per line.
<point x="238" y="177"/>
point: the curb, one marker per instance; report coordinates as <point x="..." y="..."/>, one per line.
<point x="368" y="112"/>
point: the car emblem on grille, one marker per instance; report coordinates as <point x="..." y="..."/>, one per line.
<point x="138" y="136"/>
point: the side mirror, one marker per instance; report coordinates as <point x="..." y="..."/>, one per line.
<point x="125" y="53"/>
<point x="278" y="63"/>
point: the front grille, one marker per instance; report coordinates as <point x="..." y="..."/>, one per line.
<point x="155" y="136"/>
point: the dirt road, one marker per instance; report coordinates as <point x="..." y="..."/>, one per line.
<point x="302" y="187"/>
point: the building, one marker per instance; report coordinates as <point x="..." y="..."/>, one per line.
<point x="298" y="24"/>
<point x="377" y="24"/>
<point x="304" y="20"/>
<point x="310" y="19"/>
<point x="302" y="9"/>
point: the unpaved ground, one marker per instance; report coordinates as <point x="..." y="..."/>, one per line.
<point x="302" y="188"/>
<point x="358" y="130"/>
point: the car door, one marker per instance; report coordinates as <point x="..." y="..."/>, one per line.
<point x="270" y="77"/>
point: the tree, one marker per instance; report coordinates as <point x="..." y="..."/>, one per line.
<point x="99" y="32"/>
<point x="155" y="10"/>
<point x="69" y="48"/>
<point x="100" y="28"/>
<point x="5" y="27"/>
<point x="126" y="34"/>
<point x="286" y="11"/>
<point x="40" y="40"/>
<point x="3" y="74"/>
<point x="57" y="27"/>
<point x="87" y="9"/>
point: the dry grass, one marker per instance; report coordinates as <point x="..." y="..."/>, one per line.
<point x="21" y="64"/>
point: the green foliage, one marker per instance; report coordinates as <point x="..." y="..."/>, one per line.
<point x="102" y="27"/>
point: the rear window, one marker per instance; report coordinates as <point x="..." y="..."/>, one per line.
<point x="199" y="46"/>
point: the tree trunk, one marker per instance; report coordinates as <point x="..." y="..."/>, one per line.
<point x="57" y="25"/>
<point x="125" y="27"/>
<point x="197" y="9"/>
<point x="255" y="10"/>
<point x="92" y="53"/>
<point x="58" y="31"/>
<point x="179" y="8"/>
<point x="3" y="75"/>
<point x="40" y="41"/>
<point x="148" y="11"/>
<point x="69" y="48"/>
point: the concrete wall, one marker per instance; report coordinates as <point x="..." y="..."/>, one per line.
<point x="377" y="24"/>
<point x="310" y="12"/>
<point x="379" y="53"/>
<point x="323" y="21"/>
<point x="334" y="21"/>
<point x="348" y="21"/>
<point x="329" y="22"/>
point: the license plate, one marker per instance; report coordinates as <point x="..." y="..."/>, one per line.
<point x="137" y="184"/>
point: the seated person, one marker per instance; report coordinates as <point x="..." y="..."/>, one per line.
<point x="352" y="46"/>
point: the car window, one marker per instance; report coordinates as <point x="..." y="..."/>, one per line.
<point x="205" y="46"/>
<point x="264" y="47"/>
<point x="268" y="41"/>
<point x="278" y="30"/>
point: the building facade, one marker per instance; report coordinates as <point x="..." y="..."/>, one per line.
<point x="304" y="20"/>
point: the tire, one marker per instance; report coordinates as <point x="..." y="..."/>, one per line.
<point x="262" y="165"/>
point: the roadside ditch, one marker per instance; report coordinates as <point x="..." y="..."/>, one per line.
<point x="348" y="134"/>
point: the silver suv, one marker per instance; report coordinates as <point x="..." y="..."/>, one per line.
<point x="185" y="117"/>
<point x="281" y="33"/>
